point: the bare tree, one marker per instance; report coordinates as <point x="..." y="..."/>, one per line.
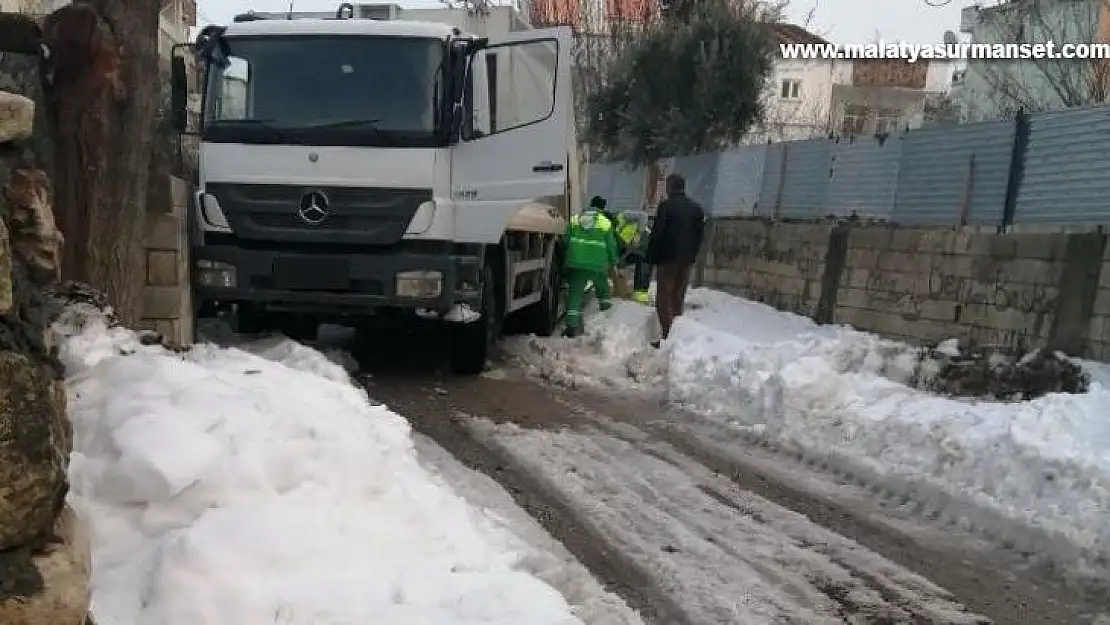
<point x="602" y="30"/>
<point x="784" y="120"/>
<point x="1043" y="84"/>
<point x="941" y="108"/>
<point x="104" y="104"/>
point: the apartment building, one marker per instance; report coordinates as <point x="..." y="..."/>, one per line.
<point x="995" y="88"/>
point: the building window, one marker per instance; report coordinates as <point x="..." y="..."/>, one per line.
<point x="852" y="123"/>
<point x="791" y="89"/>
<point x="888" y="121"/>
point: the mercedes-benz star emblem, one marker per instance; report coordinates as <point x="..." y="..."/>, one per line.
<point x="313" y="209"/>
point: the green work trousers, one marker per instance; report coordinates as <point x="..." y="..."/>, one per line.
<point x="577" y="280"/>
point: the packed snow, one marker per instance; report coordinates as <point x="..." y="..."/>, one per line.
<point x="743" y="369"/>
<point x="718" y="553"/>
<point x="229" y="488"/>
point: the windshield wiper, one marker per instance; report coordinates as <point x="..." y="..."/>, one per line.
<point x="347" y="123"/>
<point x="355" y="124"/>
<point x="265" y="124"/>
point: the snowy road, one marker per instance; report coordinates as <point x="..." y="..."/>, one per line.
<point x="260" y="484"/>
<point x="655" y="518"/>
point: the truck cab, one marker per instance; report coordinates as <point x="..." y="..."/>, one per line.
<point x="380" y="173"/>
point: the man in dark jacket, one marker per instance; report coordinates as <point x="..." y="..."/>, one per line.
<point x="673" y="249"/>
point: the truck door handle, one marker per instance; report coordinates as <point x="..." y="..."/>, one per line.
<point x="547" y="166"/>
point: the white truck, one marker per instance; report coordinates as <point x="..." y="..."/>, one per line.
<point x="381" y="173"/>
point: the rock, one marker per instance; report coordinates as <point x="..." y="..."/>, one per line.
<point x="57" y="588"/>
<point x="17" y="117"/>
<point x="999" y="375"/>
<point x="35" y="237"/>
<point x="7" y="298"/>
<point x="34" y="451"/>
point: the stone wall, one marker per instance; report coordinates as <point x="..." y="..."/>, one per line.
<point x="44" y="550"/>
<point x="1098" y="328"/>
<point x="1016" y="291"/>
<point x="779" y="264"/>
<point x="167" y="307"/>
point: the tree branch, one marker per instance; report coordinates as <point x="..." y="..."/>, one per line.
<point x="19" y="34"/>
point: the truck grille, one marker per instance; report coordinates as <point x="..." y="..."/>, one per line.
<point x="352" y="215"/>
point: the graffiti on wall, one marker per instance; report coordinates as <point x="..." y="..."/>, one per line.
<point x="883" y="290"/>
<point x="731" y="244"/>
<point x="1000" y="292"/>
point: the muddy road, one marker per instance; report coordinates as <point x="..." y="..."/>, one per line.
<point x="689" y="536"/>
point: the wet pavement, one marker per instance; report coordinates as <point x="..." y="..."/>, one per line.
<point x="712" y="534"/>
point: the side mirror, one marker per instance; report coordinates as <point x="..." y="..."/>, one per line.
<point x="179" y="94"/>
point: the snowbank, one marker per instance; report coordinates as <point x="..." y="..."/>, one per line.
<point x="227" y="489"/>
<point x="751" y="370"/>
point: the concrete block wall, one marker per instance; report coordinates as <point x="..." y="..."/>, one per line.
<point x="779" y="264"/>
<point x="167" y="306"/>
<point x="921" y="285"/>
<point x="1099" y="327"/>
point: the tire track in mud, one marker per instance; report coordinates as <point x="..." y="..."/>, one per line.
<point x="995" y="586"/>
<point x="431" y="404"/>
<point x="1004" y="585"/>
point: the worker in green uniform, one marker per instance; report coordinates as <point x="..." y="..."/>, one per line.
<point x="591" y="253"/>
<point x="631" y="231"/>
<point x="629" y="228"/>
<point x="620" y="285"/>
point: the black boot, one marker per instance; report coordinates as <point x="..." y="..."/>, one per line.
<point x="571" y="332"/>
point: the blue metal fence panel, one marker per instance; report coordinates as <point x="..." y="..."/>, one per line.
<point x="806" y="178"/>
<point x="700" y="171"/>
<point x="1066" y="172"/>
<point x="864" y="177"/>
<point x="933" y="175"/>
<point x="739" y="180"/>
<point x="622" y="186"/>
<point x="769" y="191"/>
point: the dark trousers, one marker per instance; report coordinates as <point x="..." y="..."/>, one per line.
<point x="641" y="276"/>
<point x="672" y="280"/>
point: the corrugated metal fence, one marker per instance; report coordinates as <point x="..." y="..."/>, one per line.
<point x="1047" y="168"/>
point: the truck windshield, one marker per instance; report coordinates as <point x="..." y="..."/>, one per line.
<point x="326" y="90"/>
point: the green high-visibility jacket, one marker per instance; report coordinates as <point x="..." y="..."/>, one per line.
<point x="591" y="245"/>
<point x="627" y="232"/>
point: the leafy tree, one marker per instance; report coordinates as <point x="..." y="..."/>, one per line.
<point x="691" y="83"/>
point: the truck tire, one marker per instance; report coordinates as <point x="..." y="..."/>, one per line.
<point x="542" y="318"/>
<point x="471" y="343"/>
<point x="204" y="320"/>
<point x="300" y="328"/>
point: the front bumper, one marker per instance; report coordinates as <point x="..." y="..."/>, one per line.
<point x="339" y="283"/>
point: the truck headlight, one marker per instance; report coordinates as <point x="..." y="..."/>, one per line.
<point x="211" y="212"/>
<point x="419" y="284"/>
<point x="215" y="274"/>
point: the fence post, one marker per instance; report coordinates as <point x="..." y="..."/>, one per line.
<point x="969" y="186"/>
<point x="1017" y="169"/>
<point x="782" y="179"/>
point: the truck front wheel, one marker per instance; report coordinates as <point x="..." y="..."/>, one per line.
<point x="471" y="343"/>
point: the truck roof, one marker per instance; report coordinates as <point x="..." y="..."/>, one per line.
<point x="393" y="28"/>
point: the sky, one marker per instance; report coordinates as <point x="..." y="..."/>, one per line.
<point x="841" y="21"/>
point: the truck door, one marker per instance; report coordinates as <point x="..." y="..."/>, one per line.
<point x="515" y="151"/>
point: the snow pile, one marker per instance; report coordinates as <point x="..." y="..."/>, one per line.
<point x="831" y="391"/>
<point x="227" y="489"/>
<point x="608" y="354"/>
